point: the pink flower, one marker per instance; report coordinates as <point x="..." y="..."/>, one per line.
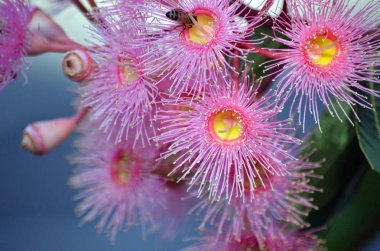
<point x="277" y="238"/>
<point x="284" y="199"/>
<point x="120" y="94"/>
<point x="116" y="184"/>
<point x="192" y="54"/>
<point x="330" y="51"/>
<point x="222" y="133"/>
<point x="14" y="16"/>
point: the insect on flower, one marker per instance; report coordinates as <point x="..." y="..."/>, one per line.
<point x="186" y="19"/>
<point x="181" y="16"/>
<point x="201" y="52"/>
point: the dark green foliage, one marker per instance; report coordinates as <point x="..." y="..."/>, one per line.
<point x="355" y="225"/>
<point x="342" y="168"/>
<point x="368" y="129"/>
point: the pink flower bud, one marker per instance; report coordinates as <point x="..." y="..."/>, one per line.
<point x="41" y="137"/>
<point x="77" y="65"/>
<point x="47" y="35"/>
<point x="40" y="22"/>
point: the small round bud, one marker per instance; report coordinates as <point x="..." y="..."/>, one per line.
<point x="77" y="65"/>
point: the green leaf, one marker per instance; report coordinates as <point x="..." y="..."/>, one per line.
<point x="342" y="168"/>
<point x="331" y="145"/>
<point x="355" y="225"/>
<point x="368" y="129"/>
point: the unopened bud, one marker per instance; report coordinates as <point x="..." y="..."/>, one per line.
<point x="42" y="23"/>
<point x="41" y="137"/>
<point x="47" y="35"/>
<point x="77" y="65"/>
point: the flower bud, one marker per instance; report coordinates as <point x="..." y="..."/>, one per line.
<point x="77" y="65"/>
<point x="46" y="35"/>
<point x="43" y="24"/>
<point x="41" y="137"/>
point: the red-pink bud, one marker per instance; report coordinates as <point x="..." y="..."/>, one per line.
<point x="41" y="137"/>
<point x="47" y="35"/>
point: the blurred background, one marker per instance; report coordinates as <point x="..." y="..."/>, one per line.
<point x="36" y="205"/>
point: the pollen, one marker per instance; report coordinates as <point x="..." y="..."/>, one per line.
<point x="226" y="126"/>
<point x="120" y="169"/>
<point x="322" y="49"/>
<point x="127" y="72"/>
<point x="203" y="31"/>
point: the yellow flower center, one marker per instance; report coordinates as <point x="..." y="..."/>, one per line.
<point x="121" y="169"/>
<point x="204" y="30"/>
<point x="226" y="126"/>
<point x="322" y="50"/>
<point x="127" y="72"/>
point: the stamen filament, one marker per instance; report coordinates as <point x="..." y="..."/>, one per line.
<point x="199" y="27"/>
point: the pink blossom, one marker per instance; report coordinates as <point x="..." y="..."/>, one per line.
<point x="329" y="53"/>
<point x="194" y="52"/>
<point x="120" y="94"/>
<point x="116" y="185"/>
<point x="14" y="16"/>
<point x="222" y="133"/>
<point x="284" y="199"/>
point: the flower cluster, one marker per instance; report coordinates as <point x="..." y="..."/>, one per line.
<point x="120" y="93"/>
<point x="175" y="110"/>
<point x="175" y="76"/>
<point x="27" y="30"/>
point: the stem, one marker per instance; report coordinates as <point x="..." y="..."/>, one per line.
<point x="266" y="7"/>
<point x="80" y="6"/>
<point x="263" y="51"/>
<point x="93" y="4"/>
<point x="81" y="115"/>
<point x="84" y="11"/>
<point x="59" y="47"/>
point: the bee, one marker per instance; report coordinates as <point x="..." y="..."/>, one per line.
<point x="186" y="19"/>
